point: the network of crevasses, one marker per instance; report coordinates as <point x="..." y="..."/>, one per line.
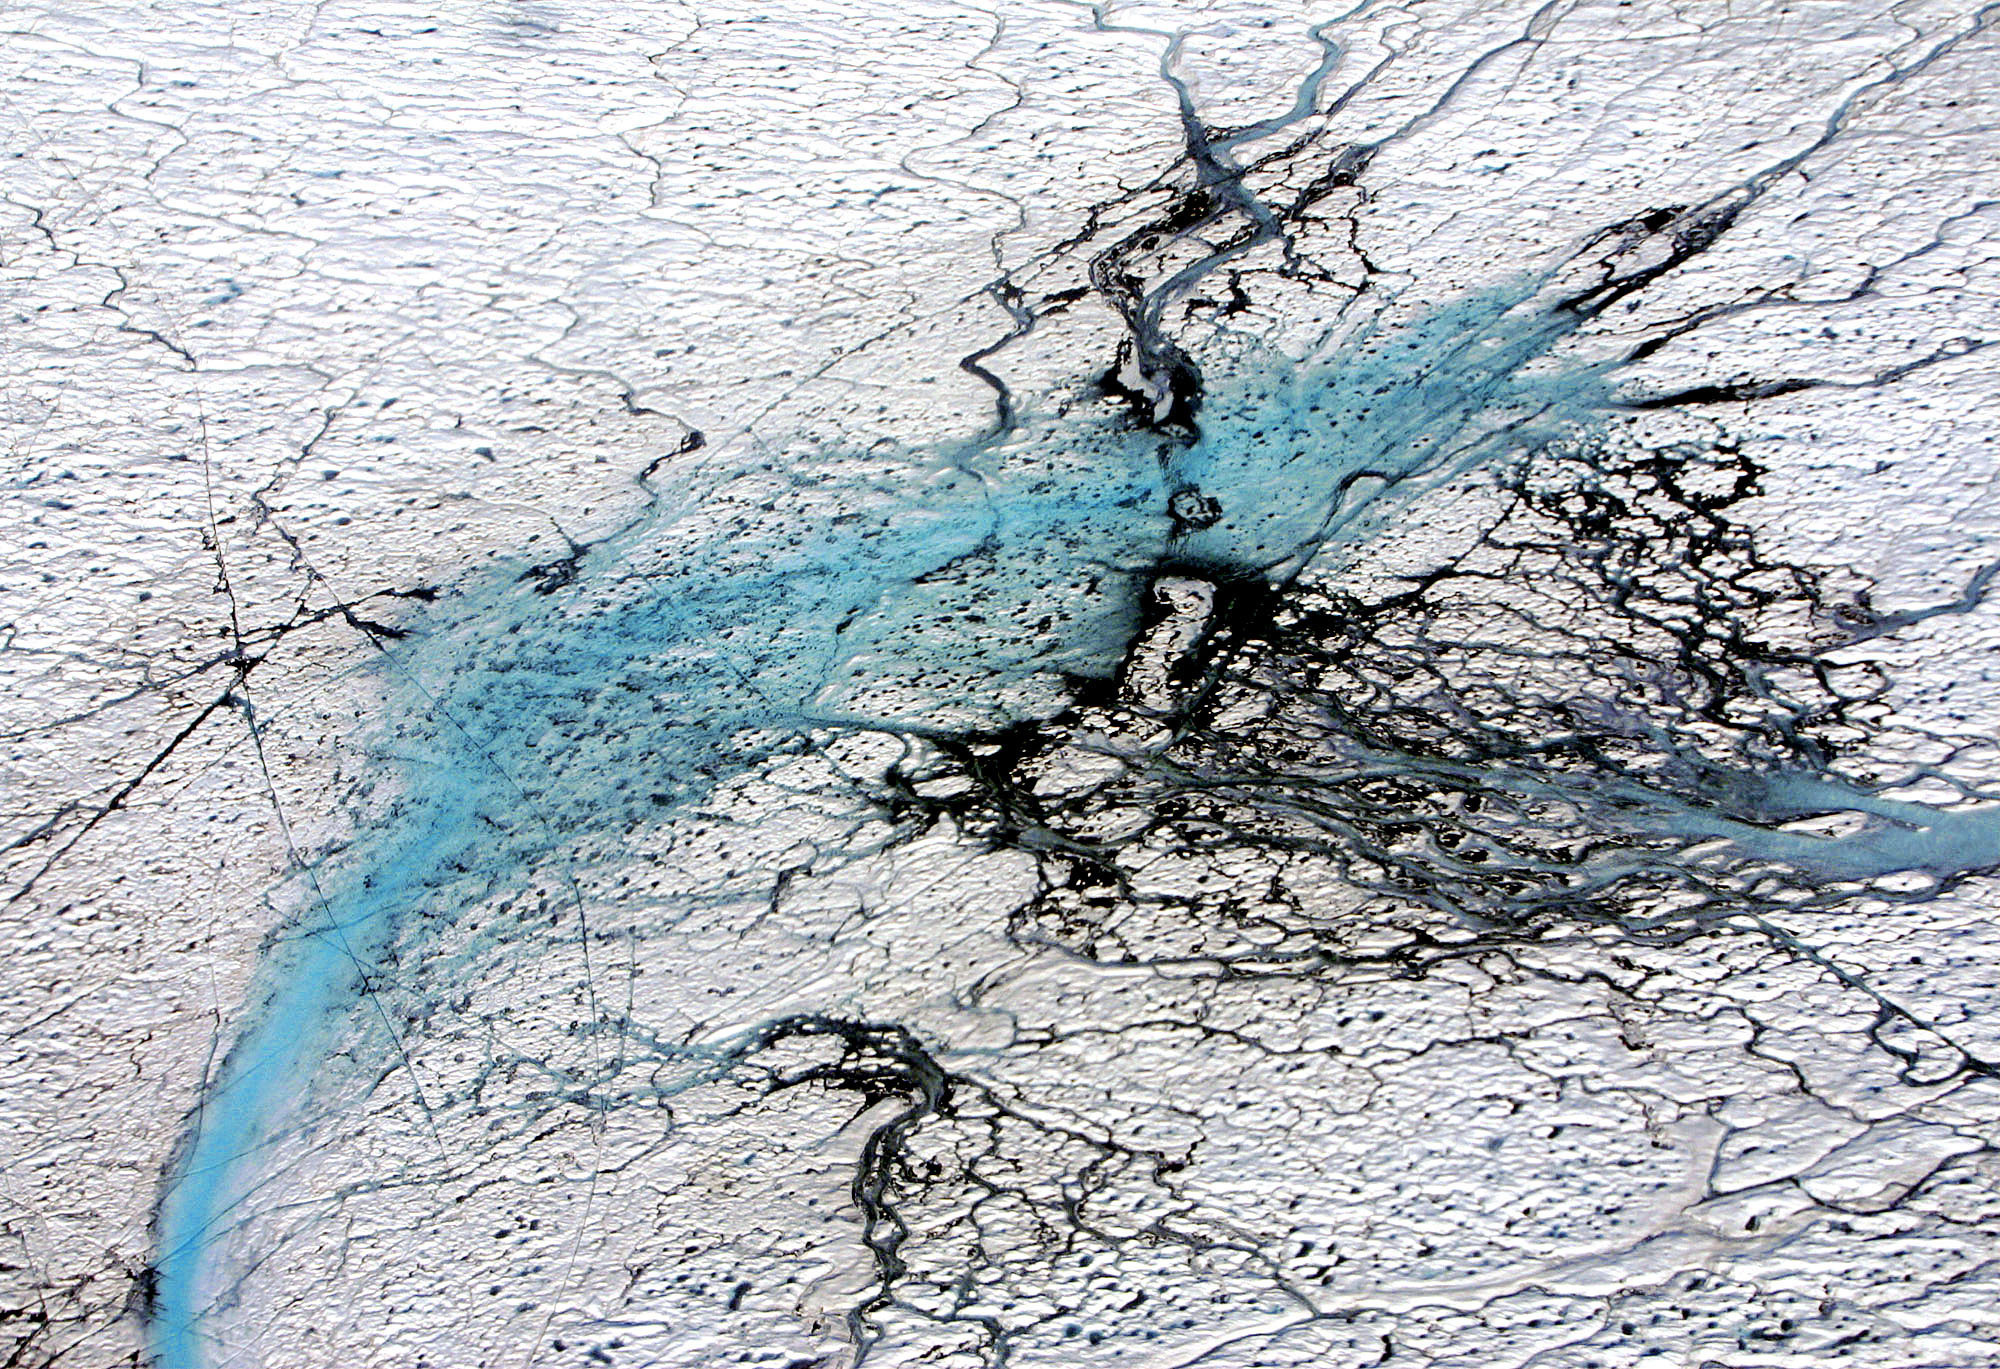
<point x="1532" y="734"/>
<point x="1602" y="706"/>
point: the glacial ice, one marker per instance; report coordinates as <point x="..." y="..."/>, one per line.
<point x="1054" y="685"/>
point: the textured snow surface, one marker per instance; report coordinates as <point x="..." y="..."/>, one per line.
<point x="1031" y="685"/>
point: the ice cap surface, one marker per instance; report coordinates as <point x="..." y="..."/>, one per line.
<point x="1036" y="685"/>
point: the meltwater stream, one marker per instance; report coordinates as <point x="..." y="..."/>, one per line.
<point x="954" y="592"/>
<point x="945" y="591"/>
